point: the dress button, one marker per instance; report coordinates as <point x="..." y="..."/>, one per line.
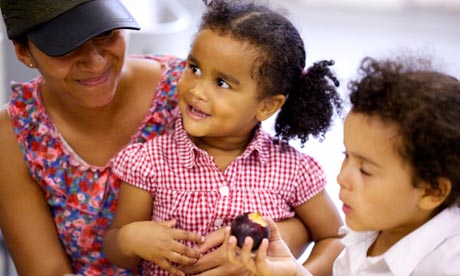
<point x="224" y="190"/>
<point x="218" y="222"/>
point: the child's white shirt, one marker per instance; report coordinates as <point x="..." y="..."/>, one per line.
<point x="433" y="249"/>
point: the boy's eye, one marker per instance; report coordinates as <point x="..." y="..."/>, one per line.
<point x="222" y="83"/>
<point x="363" y="171"/>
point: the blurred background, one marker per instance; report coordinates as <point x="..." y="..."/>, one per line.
<point x="343" y="30"/>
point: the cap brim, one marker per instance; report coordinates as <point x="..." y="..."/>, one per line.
<point x="73" y="28"/>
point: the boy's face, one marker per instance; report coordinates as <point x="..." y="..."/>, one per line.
<point x="375" y="183"/>
<point x="217" y="93"/>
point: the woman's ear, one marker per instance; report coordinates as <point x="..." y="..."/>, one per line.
<point x="433" y="197"/>
<point x="269" y="106"/>
<point x="23" y="54"/>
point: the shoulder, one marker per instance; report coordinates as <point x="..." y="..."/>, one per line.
<point x="149" y="63"/>
<point x="11" y="156"/>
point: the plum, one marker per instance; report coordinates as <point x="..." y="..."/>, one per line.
<point x="250" y="224"/>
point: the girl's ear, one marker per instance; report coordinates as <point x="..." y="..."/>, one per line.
<point x="269" y="106"/>
<point x="23" y="54"/>
<point x="433" y="197"/>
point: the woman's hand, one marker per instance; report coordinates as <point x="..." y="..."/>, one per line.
<point x="272" y="258"/>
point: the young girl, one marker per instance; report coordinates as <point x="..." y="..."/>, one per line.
<point x="399" y="182"/>
<point x="246" y="63"/>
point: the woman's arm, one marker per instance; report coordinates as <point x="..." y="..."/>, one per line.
<point x="324" y="221"/>
<point x="25" y="219"/>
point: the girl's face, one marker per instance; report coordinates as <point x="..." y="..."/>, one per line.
<point x="87" y="76"/>
<point x="218" y="95"/>
<point x="375" y="183"/>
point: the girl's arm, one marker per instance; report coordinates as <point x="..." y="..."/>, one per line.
<point x="323" y="220"/>
<point x="132" y="236"/>
<point x="25" y="218"/>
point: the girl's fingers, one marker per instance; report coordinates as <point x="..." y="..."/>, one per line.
<point x="181" y="259"/>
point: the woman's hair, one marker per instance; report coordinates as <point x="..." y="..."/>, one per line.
<point x="425" y="105"/>
<point x="279" y="66"/>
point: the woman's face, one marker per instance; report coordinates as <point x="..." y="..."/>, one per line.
<point x="86" y="77"/>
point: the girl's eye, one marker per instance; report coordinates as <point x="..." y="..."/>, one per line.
<point x="222" y="83"/>
<point x="195" y="70"/>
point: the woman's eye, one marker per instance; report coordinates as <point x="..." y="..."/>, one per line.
<point x="222" y="83"/>
<point x="104" y="35"/>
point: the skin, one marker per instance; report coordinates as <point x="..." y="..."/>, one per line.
<point x="284" y="263"/>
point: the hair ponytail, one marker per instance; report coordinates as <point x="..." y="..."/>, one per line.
<point x="310" y="106"/>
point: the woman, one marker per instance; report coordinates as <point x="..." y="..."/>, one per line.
<point x="61" y="130"/>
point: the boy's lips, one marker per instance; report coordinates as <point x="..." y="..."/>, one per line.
<point x="346" y="209"/>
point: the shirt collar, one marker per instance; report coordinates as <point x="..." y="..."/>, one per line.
<point x="422" y="241"/>
<point x="399" y="262"/>
<point x="189" y="151"/>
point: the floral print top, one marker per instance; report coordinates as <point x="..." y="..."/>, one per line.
<point x="82" y="197"/>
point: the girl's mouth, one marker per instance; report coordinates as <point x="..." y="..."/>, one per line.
<point x="196" y="113"/>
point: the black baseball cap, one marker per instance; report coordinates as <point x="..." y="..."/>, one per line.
<point x="57" y="27"/>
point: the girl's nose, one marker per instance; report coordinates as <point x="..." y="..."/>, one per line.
<point x="200" y="91"/>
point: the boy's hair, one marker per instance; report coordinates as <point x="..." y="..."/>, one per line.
<point x="425" y="105"/>
<point x="279" y="66"/>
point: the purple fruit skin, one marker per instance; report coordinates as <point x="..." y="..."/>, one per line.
<point x="242" y="227"/>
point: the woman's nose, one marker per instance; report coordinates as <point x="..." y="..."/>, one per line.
<point x="91" y="55"/>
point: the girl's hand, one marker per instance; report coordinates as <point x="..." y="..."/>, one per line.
<point x="163" y="247"/>
<point x="157" y="242"/>
<point x="272" y="258"/>
<point x="214" y="263"/>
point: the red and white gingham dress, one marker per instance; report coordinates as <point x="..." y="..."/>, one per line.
<point x="187" y="185"/>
